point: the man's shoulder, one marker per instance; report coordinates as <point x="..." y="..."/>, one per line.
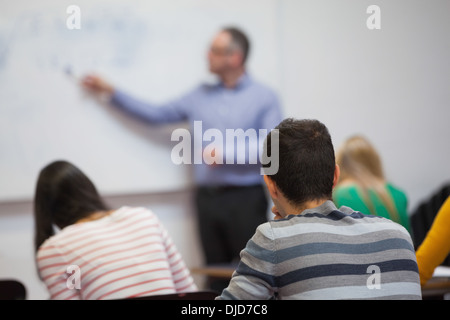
<point x="377" y="222"/>
<point x="262" y="87"/>
<point x="344" y="221"/>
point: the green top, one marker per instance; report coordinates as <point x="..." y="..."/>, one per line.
<point x="351" y="196"/>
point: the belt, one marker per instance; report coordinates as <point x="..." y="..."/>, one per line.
<point x="225" y="188"/>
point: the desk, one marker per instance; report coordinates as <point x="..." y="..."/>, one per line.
<point x="436" y="288"/>
<point x="223" y="271"/>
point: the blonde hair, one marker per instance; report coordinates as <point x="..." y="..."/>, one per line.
<point x="359" y="161"/>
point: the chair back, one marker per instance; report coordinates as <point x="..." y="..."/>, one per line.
<point x="423" y="216"/>
<point x="11" y="289"/>
<point x="197" y="295"/>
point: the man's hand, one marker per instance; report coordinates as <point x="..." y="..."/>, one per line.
<point x="210" y="158"/>
<point x="97" y="84"/>
<point x="277" y="213"/>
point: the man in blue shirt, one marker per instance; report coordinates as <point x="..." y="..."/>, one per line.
<point x="230" y="198"/>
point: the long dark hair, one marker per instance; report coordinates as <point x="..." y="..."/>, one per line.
<point x="64" y="195"/>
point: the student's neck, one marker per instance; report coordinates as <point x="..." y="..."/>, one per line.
<point x="308" y="205"/>
<point x="231" y="78"/>
<point x="95" y="216"/>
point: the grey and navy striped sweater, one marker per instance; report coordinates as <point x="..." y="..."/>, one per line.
<point x="326" y="253"/>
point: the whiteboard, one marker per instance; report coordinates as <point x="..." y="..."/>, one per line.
<point x="392" y="84"/>
<point x="153" y="49"/>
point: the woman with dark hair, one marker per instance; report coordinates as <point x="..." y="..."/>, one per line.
<point x="100" y="253"/>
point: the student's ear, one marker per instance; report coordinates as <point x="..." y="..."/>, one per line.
<point x="337" y="173"/>
<point x="271" y="186"/>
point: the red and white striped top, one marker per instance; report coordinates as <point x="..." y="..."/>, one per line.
<point x="125" y="254"/>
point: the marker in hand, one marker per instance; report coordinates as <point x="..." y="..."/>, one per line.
<point x="97" y="84"/>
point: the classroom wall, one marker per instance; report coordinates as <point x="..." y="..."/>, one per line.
<point x="391" y="85"/>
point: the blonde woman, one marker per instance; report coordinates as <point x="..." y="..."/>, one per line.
<point x="362" y="185"/>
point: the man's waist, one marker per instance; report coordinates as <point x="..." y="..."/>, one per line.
<point x="227" y="187"/>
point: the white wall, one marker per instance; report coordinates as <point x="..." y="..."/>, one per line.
<point x="391" y="85"/>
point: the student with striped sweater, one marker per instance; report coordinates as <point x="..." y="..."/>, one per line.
<point x="312" y="250"/>
<point x="100" y="253"/>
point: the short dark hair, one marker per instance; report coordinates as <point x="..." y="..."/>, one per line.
<point x="239" y="39"/>
<point x="306" y="160"/>
<point x="64" y="194"/>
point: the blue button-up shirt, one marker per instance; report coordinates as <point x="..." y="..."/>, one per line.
<point x="249" y="105"/>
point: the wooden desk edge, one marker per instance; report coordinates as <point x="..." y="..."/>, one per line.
<point x="219" y="272"/>
<point x="436" y="287"/>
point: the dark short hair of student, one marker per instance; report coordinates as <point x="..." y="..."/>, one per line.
<point x="306" y="160"/>
<point x="63" y="195"/>
<point x="239" y="39"/>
